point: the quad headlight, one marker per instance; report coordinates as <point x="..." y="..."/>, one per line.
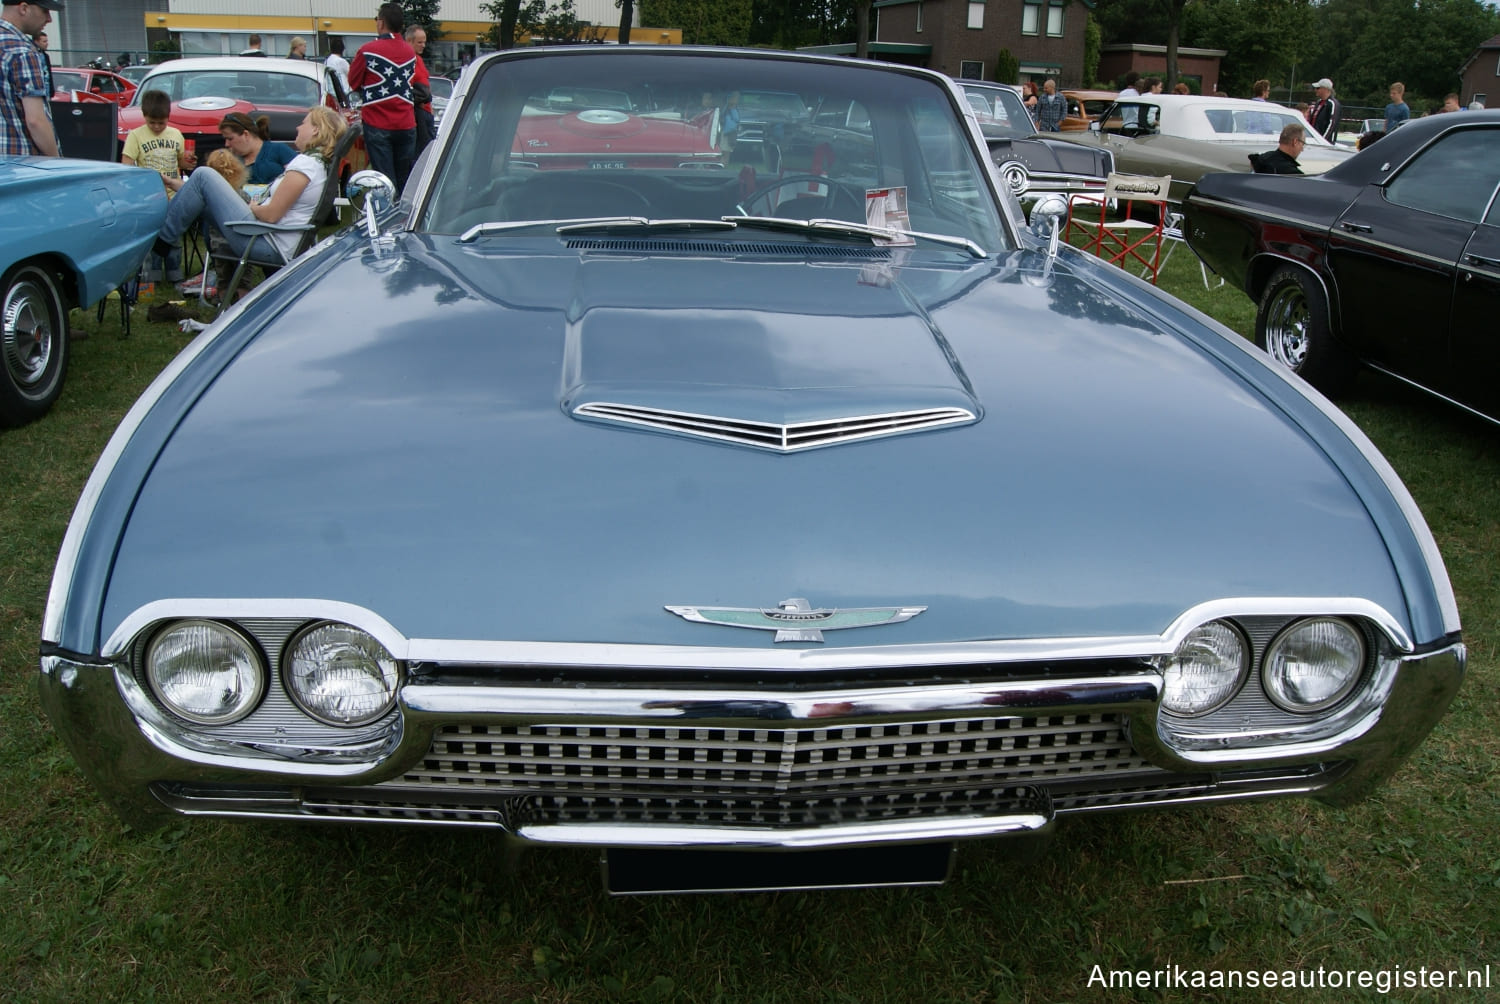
<point x="1314" y="664"/>
<point x="1206" y="670"/>
<point x="340" y="675"/>
<point x="205" y="672"/>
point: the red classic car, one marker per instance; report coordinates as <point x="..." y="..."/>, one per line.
<point x="203" y="91"/>
<point x="572" y="128"/>
<point x="90" y="84"/>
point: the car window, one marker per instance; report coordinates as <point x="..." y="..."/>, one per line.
<point x="63" y="81"/>
<point x="241" y="85"/>
<point x="1267" y="121"/>
<point x="1454" y="177"/>
<point x="1128" y="118"/>
<point x="1000" y="113"/>
<point x="554" y="137"/>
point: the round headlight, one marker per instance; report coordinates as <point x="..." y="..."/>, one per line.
<point x="340" y="675"/>
<point x="1314" y="664"/>
<point x="1206" y="670"/>
<point x="205" y="671"/>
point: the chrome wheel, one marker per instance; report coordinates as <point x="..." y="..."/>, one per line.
<point x="33" y="344"/>
<point x="1286" y="326"/>
<point x="28" y="329"/>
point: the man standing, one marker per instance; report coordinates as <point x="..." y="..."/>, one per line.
<point x="421" y="91"/>
<point x="41" y="46"/>
<point x="1396" y="112"/>
<point x="382" y="72"/>
<point x="1283" y="159"/>
<point x="1323" y="113"/>
<point x="254" y="49"/>
<point x="337" y="63"/>
<point x="25" y="109"/>
<point x="1051" y="108"/>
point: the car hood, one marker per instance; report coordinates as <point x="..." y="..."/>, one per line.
<point x="1042" y="156"/>
<point x="402" y="437"/>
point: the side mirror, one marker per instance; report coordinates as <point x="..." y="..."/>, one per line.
<point x="1047" y="218"/>
<point x="1096" y="127"/>
<point x="379" y="192"/>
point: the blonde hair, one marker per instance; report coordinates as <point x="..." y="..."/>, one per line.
<point x="328" y="126"/>
<point x="229" y="166"/>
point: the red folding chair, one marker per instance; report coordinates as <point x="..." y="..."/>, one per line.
<point x="1115" y="226"/>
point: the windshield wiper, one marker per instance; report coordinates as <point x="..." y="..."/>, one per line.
<point x="637" y="224"/>
<point x="843" y="228"/>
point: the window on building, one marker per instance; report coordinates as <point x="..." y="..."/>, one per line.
<point x="1031" y="17"/>
<point x="971" y="69"/>
<point x="976" y="15"/>
<point x="1055" y="20"/>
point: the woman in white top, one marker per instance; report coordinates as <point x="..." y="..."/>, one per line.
<point x="290" y="200"/>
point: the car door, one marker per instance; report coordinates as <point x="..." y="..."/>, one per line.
<point x="1474" y="339"/>
<point x="1394" y="253"/>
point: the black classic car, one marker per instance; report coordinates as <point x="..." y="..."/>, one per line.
<point x="1391" y="259"/>
<point x="1030" y="164"/>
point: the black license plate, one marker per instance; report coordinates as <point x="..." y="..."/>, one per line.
<point x="638" y="871"/>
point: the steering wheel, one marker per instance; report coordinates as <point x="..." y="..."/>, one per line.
<point x="828" y="203"/>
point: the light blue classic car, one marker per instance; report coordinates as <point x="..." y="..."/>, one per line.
<point x="70" y="231"/>
<point x="769" y="514"/>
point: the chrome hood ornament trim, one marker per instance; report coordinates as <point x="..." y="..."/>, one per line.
<point x="795" y="619"/>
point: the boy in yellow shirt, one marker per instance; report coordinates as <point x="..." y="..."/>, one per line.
<point x="163" y="149"/>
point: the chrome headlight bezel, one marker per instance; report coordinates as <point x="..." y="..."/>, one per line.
<point x="252" y="678"/>
<point x="299" y="672"/>
<point x="1235" y="656"/>
<point x="1273" y="674"/>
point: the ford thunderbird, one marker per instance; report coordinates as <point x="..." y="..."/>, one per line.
<point x="767" y="520"/>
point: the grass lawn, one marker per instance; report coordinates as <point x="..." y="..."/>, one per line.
<point x="210" y="911"/>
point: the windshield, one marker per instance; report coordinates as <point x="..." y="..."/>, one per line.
<point x="257" y="87"/>
<point x="1000" y="112"/>
<point x="562" y="136"/>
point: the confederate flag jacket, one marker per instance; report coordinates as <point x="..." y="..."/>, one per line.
<point x="382" y="71"/>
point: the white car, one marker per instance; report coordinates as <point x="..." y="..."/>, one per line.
<point x="1187" y="136"/>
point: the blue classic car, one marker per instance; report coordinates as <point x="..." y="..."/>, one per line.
<point x="768" y="517"/>
<point x="70" y="231"/>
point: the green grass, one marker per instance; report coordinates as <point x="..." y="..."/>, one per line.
<point x="209" y="911"/>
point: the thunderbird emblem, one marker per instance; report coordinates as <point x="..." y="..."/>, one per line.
<point x="795" y="619"/>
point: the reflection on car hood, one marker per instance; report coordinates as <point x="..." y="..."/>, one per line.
<point x="404" y="441"/>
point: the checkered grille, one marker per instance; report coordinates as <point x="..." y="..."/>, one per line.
<point x="950" y="761"/>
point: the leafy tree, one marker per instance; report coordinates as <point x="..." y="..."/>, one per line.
<point x="424" y="13"/>
<point x="507" y="16"/>
<point x="1270" y="39"/>
<point x="703" y="22"/>
<point x="1093" y="45"/>
<point x="1007" y="67"/>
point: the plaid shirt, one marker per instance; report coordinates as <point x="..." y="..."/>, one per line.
<point x="21" y="76"/>
<point x="1050" y="109"/>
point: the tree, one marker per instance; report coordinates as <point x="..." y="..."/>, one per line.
<point x="862" y="29"/>
<point x="627" y="15"/>
<point x="703" y="22"/>
<point x="506" y="14"/>
<point x="424" y="13"/>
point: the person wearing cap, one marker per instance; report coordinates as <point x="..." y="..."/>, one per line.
<point x="25" y="113"/>
<point x="1323" y="113"/>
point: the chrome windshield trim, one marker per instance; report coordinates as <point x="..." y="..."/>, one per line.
<point x="641" y="656"/>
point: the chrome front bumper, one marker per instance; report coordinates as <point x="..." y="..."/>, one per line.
<point x="147" y="775"/>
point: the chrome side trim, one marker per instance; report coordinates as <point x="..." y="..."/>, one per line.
<point x="1273" y="217"/>
<point x="632" y="656"/>
<point x="1428" y="390"/>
